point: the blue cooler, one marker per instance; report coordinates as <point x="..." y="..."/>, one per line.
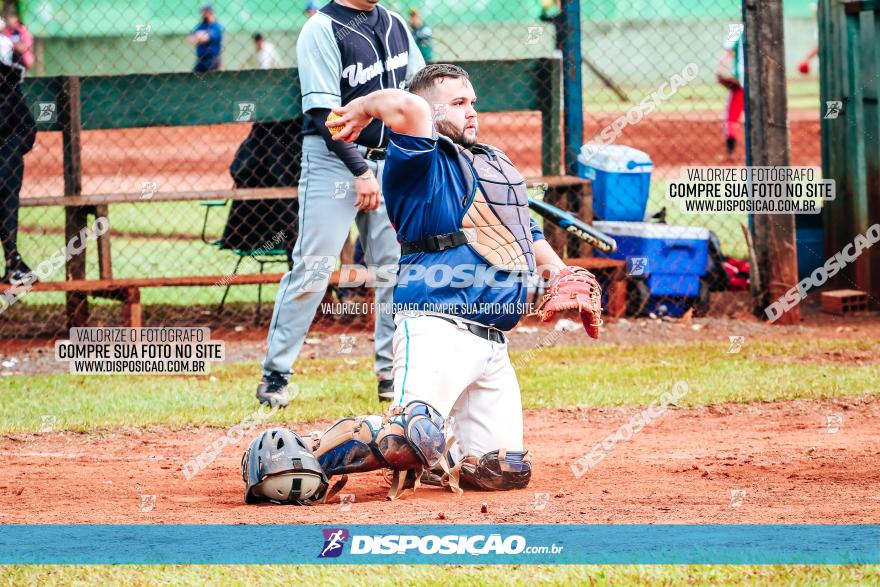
<point x="621" y="179"/>
<point x="676" y="257"/>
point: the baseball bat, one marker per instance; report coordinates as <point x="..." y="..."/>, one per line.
<point x="575" y="226"/>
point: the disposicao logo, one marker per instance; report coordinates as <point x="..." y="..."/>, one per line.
<point x="334" y="541"/>
<point x="450" y="544"/>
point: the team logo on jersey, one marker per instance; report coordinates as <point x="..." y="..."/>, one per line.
<point x="334" y="542"/>
<point x="357" y="74"/>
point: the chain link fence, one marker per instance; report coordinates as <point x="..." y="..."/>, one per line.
<point x="142" y="138"/>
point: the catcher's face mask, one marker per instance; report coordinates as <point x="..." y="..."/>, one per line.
<point x="279" y="467"/>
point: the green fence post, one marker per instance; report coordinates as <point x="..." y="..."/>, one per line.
<point x="855" y="139"/>
<point x="872" y="153"/>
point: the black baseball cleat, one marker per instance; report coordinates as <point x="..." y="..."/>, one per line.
<point x="386" y="390"/>
<point x="17" y="271"/>
<point x="272" y="390"/>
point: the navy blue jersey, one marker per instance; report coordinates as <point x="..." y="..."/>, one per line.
<point x="343" y="54"/>
<point x="424" y="192"/>
<point x="208" y="54"/>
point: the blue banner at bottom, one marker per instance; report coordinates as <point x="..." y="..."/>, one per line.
<point x="440" y="544"/>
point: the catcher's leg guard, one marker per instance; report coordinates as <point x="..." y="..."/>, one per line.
<point x="406" y="438"/>
<point x="496" y="471"/>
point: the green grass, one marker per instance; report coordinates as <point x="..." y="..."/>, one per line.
<point x="549" y="377"/>
<point x="148" y="218"/>
<point x="803" y="94"/>
<point x="672" y="575"/>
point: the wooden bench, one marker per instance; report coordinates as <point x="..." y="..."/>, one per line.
<point x="126" y="102"/>
<point x="128" y="290"/>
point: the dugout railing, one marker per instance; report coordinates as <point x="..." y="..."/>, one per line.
<point x="74" y="104"/>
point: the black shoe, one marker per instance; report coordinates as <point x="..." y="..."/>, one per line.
<point x="272" y="390"/>
<point x="386" y="390"/>
<point x="731" y="145"/>
<point x="17" y="271"/>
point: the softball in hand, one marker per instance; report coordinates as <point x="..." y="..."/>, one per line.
<point x="334" y="130"/>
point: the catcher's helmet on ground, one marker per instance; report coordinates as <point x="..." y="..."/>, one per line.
<point x="278" y="466"/>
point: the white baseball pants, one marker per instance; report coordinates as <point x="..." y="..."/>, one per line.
<point x="468" y="379"/>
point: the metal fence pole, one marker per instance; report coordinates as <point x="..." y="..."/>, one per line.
<point x="572" y="88"/>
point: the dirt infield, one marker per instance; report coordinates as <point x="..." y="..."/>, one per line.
<point x="198" y="158"/>
<point x="690" y="466"/>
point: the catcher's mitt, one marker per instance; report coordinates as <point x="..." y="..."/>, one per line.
<point x="574" y="289"/>
<point x="731" y="83"/>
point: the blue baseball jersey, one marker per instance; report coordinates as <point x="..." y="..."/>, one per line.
<point x="426" y="194"/>
<point x="208" y="54"/>
<point x="345" y="53"/>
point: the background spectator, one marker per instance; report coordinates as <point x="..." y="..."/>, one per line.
<point x="208" y="39"/>
<point x="265" y="56"/>
<point x="22" y="40"/>
<point x="731" y="74"/>
<point x="311" y="9"/>
<point x="804" y="66"/>
<point x="421" y="33"/>
<point x="558" y="22"/>
<point x="17" y="133"/>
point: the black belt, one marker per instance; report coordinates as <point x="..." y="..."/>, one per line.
<point x="435" y="243"/>
<point x="485" y="332"/>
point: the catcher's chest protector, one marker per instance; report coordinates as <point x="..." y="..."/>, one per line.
<point x="496" y="214"/>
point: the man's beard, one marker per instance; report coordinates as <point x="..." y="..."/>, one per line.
<point x="446" y="128"/>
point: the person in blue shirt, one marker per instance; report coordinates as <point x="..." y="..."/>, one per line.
<point x="468" y="249"/>
<point x="208" y="39"/>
